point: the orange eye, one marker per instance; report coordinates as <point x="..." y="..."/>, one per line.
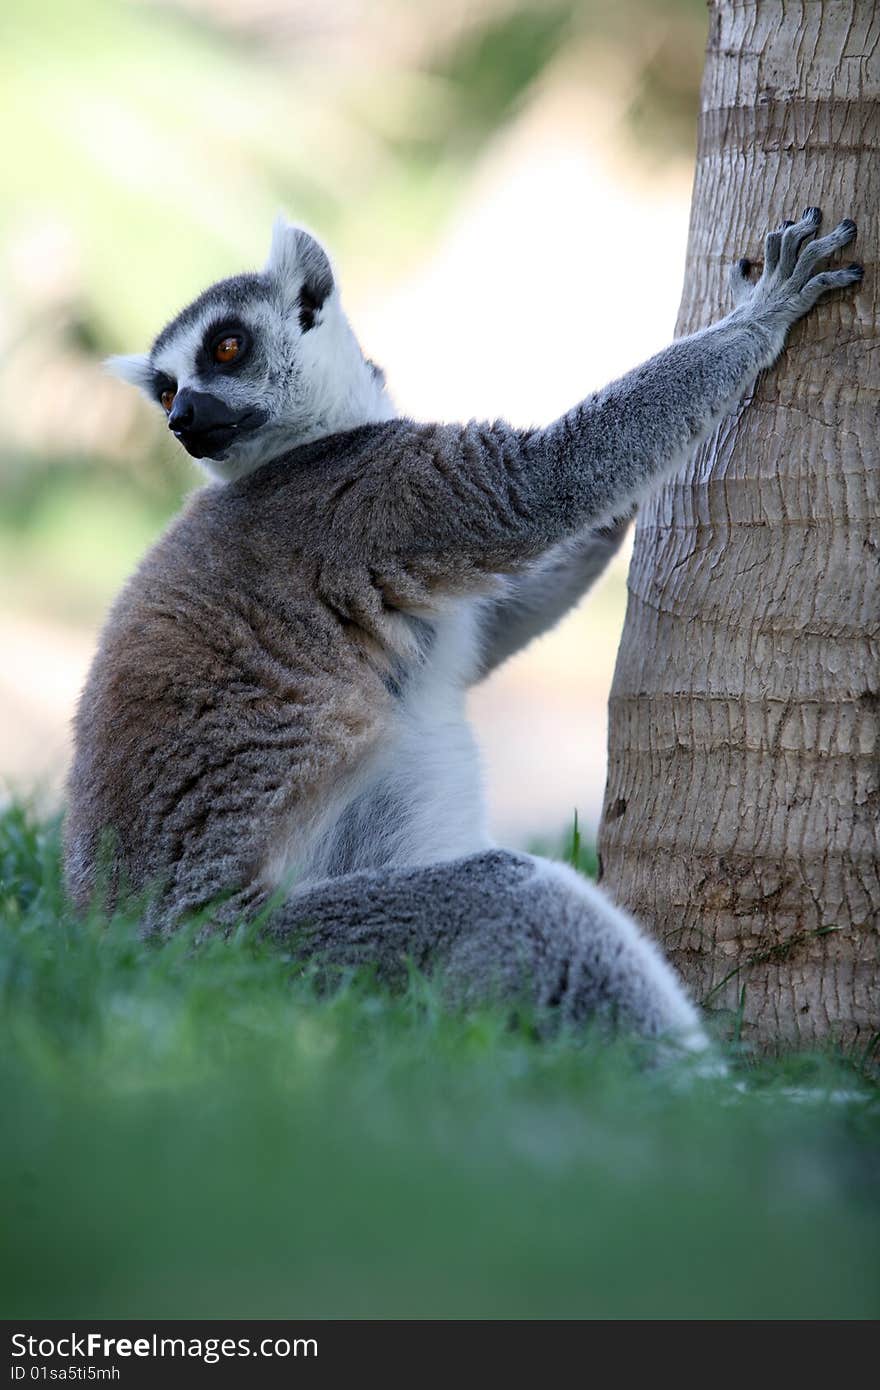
<point x="227" y="349"/>
<point x="167" y="399"/>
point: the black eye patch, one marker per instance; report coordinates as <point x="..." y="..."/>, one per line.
<point x="213" y="339"/>
<point x="162" y="383"/>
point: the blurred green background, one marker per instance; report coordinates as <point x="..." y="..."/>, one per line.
<point x="503" y="187"/>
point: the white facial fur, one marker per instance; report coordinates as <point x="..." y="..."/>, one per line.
<point x="308" y="381"/>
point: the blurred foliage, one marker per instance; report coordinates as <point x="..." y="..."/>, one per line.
<point x="573" y="849"/>
<point x="490" y="68"/>
<point x="154" y="141"/>
<point x="164" y="144"/>
<point x="71" y="530"/>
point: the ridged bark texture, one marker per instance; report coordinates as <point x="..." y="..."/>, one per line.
<point x="742" y="813"/>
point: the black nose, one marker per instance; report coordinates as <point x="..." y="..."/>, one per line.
<point x="196" y="412"/>
<point x="182" y="412"/>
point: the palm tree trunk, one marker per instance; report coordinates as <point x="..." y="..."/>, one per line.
<point x="742" y="812"/>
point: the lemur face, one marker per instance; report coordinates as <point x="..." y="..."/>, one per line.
<point x="260" y="363"/>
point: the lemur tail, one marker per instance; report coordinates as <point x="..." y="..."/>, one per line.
<point x="497" y="925"/>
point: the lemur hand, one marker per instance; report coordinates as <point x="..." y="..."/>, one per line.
<point x="788" y="287"/>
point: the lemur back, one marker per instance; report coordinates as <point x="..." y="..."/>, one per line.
<point x="276" y="710"/>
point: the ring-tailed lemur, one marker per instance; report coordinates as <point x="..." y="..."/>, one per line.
<point x="276" y="708"/>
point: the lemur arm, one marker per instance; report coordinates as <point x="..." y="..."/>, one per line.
<point x="438" y="507"/>
<point x="535" y="600"/>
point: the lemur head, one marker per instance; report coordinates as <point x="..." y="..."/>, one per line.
<point x="260" y="363"/>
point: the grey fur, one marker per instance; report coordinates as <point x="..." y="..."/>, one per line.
<point x="239" y="294"/>
<point x="278" y="698"/>
<point x="497" y="924"/>
<point x="534" y="601"/>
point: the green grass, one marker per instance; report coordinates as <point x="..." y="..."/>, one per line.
<point x="201" y="1133"/>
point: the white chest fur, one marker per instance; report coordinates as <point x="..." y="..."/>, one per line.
<point x="419" y="799"/>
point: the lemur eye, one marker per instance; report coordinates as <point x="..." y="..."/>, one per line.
<point x="167" y="399"/>
<point x="227" y="349"/>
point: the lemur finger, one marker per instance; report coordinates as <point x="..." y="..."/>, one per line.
<point x="820" y="284"/>
<point x="794" y="237"/>
<point x="739" y="280"/>
<point x="772" y="243"/>
<point x="819" y="250"/>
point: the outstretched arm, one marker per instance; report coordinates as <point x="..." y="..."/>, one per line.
<point x="535" y="600"/>
<point x="434" y="509"/>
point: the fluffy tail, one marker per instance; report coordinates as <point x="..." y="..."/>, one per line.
<point x="497" y="925"/>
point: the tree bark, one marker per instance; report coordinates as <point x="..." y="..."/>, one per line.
<point x="742" y="811"/>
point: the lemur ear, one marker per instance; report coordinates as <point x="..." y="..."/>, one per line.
<point x="303" y="267"/>
<point x="136" y="370"/>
